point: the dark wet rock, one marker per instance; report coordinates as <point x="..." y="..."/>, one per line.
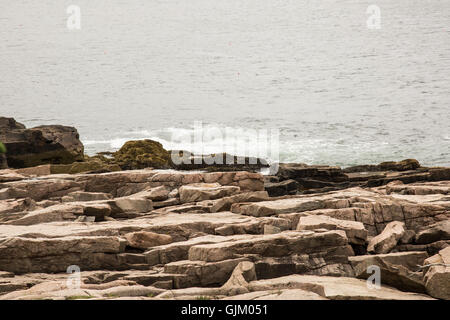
<point x="433" y="233"/>
<point x="184" y="160"/>
<point x="286" y="187"/>
<point x="40" y="145"/>
<point x="313" y="177"/>
<point x="404" y="165"/>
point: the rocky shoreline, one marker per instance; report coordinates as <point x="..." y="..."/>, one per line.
<point x="140" y="227"/>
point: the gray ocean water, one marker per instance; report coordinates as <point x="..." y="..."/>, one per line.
<point x="339" y="93"/>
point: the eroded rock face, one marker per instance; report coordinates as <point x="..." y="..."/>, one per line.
<point x="165" y="234"/>
<point x="39" y="145"/>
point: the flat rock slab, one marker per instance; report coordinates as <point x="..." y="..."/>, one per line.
<point x="268" y="208"/>
<point x="274" y="245"/>
<point x="355" y="231"/>
<point x="205" y="191"/>
<point x="285" y="294"/>
<point x="335" y="288"/>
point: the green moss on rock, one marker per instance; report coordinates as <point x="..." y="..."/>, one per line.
<point x="140" y="154"/>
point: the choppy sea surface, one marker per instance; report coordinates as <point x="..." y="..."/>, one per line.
<point x="337" y="92"/>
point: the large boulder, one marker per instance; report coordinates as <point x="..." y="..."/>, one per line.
<point x="142" y="154"/>
<point x="387" y="240"/>
<point x="40" y="145"/>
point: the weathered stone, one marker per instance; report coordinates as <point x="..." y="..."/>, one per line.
<point x="8" y="175"/>
<point x="205" y="191"/>
<point x="331" y="261"/>
<point x="287" y="294"/>
<point x="98" y="210"/>
<point x="201" y="273"/>
<point x="270" y="229"/>
<point x="355" y="231"/>
<point x="399" y="270"/>
<point x="178" y="250"/>
<point x="387" y="240"/>
<point x="276" y="189"/>
<point x="40" y="145"/>
<point x="61" y="212"/>
<point x="133" y="204"/>
<point x="9" y="206"/>
<point x="275" y="245"/>
<point x="404" y="165"/>
<point x="334" y="288"/>
<point x="408" y="237"/>
<point x="86" y="196"/>
<point x="85" y="219"/>
<point x="40" y="189"/>
<point x="155" y="194"/>
<point x="437" y="274"/>
<point x="238" y="282"/>
<point x="268" y="208"/>
<point x="224" y="204"/>
<point x="417" y="189"/>
<point x="436" y="232"/>
<point x="145" y="240"/>
<point x="431" y="248"/>
<point x="58" y="290"/>
<point x="166" y="203"/>
<point x="22" y="255"/>
<point x="207" y="245"/>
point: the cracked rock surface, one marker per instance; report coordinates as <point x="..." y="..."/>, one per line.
<point x="167" y="234"/>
